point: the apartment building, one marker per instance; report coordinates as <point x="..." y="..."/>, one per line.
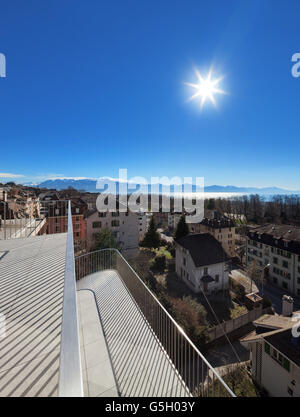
<point x="173" y="219"/>
<point x="55" y="212"/>
<point x="90" y="199"/>
<point x="276" y="248"/>
<point x="221" y="228"/>
<point x="161" y="219"/>
<point x="124" y="226"/>
<point x="275" y="353"/>
<point x="201" y="263"/>
<point x="143" y="222"/>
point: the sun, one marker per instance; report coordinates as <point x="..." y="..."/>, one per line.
<point x="206" y="88"/>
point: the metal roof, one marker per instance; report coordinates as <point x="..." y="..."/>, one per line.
<point x="31" y="295"/>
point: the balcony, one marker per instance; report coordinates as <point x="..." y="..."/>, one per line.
<point x="89" y="327"/>
<point x="130" y="345"/>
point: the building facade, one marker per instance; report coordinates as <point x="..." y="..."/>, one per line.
<point x="143" y="221"/>
<point x="56" y="214"/>
<point x="173" y="219"/>
<point x="201" y="263"/>
<point x="124" y="226"/>
<point x="220" y="228"/>
<point x="278" y="248"/>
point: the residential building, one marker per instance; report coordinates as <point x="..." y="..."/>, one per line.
<point x="275" y="353"/>
<point x="161" y="219"/>
<point x="276" y="247"/>
<point x="142" y="224"/>
<point x="55" y="212"/>
<point x="124" y="226"/>
<point x="201" y="263"/>
<point x="173" y="219"/>
<point x="221" y="228"/>
<point x="90" y="199"/>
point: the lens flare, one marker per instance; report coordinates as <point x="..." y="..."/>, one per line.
<point x="206" y="88"/>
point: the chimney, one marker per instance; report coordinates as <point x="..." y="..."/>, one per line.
<point x="287" y="306"/>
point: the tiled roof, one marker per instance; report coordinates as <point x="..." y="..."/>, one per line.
<point x="203" y="248"/>
<point x="218" y="223"/>
<point x="282" y="236"/>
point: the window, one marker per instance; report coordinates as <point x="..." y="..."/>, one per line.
<point x="275" y="260"/>
<point x="290" y="391"/>
<point x="274" y="353"/>
<point x="101" y="214"/>
<point x="205" y="271"/>
<point x="275" y="280"/>
<point x="284" y="285"/>
<point x="96" y="225"/>
<point x="267" y="348"/>
<point x="77" y="210"/>
<point x="217" y="278"/>
<point x="184" y="261"/>
<point x="115" y="223"/>
<point x="115" y="214"/>
<point x="286" y="364"/>
<point x="285" y="264"/>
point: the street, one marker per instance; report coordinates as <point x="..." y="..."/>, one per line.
<point x="275" y="296"/>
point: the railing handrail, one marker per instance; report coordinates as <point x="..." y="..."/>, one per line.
<point x="70" y="372"/>
<point x="188" y="340"/>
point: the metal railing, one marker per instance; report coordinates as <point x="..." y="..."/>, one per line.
<point x="70" y="372"/>
<point x="198" y="376"/>
<point x="33" y="217"/>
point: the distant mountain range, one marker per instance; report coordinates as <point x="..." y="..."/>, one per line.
<point x="90" y="186"/>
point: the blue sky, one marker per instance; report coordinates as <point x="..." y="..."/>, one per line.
<point x="94" y="86"/>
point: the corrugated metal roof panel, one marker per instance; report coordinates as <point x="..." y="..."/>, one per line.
<point x="31" y="295"/>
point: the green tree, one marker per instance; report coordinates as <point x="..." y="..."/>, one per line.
<point x="182" y="228"/>
<point x="158" y="264"/>
<point x="152" y="237"/>
<point x="105" y="239"/>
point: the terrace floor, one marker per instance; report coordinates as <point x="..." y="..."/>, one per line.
<point x="120" y="354"/>
<point x="31" y="295"/>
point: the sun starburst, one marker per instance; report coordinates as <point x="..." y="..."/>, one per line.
<point x="206" y="88"/>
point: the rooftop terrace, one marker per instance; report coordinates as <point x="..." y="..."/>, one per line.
<point x="105" y="334"/>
